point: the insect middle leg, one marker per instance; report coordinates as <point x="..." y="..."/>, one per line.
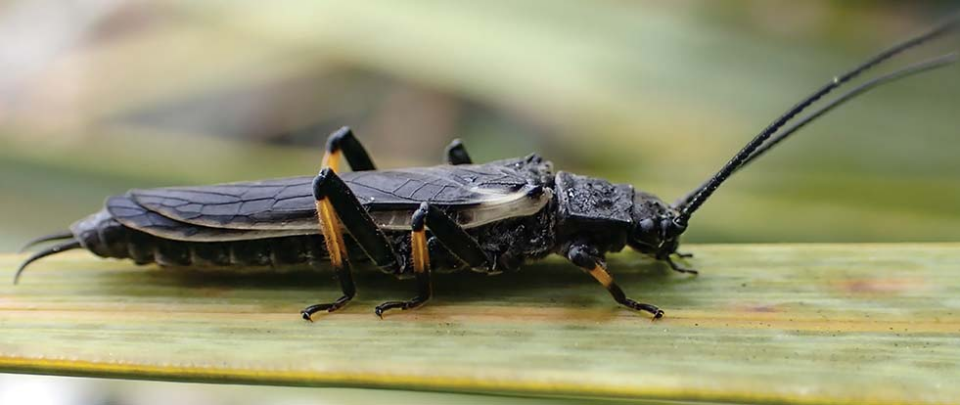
<point x="336" y="205"/>
<point x="456" y="153"/>
<point x="452" y="236"/>
<point x="588" y="258"/>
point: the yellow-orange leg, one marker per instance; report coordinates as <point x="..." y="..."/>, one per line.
<point x="589" y="260"/>
<point x="600" y="273"/>
<point x="343" y="142"/>
<point x="420" y="257"/>
<point x="331" y="159"/>
<point x="336" y="248"/>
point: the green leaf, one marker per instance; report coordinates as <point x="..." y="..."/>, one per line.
<point x="762" y="323"/>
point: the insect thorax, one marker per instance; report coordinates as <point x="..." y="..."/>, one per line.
<point x="595" y="209"/>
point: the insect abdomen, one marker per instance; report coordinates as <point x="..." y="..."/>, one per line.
<point x="104" y="236"/>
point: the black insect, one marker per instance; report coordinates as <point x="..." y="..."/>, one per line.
<point x="409" y="222"/>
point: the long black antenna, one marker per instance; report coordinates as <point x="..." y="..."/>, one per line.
<point x="917" y="68"/>
<point x="738" y="160"/>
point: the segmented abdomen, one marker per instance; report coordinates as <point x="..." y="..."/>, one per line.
<point x="106" y="237"/>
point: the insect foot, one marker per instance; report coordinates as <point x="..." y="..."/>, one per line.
<point x="307" y="313"/>
<point x="402" y="305"/>
<point x="639" y="306"/>
<point x="588" y="258"/>
<point x="679" y="268"/>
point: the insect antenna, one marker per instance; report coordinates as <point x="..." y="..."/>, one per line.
<point x="47" y="238"/>
<point x="738" y="160"/>
<point x="917" y="68"/>
<point x="40" y="255"/>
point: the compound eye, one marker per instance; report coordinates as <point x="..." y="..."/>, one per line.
<point x="680" y="224"/>
<point x="647" y="226"/>
<point x="666" y="225"/>
<point x="672" y="228"/>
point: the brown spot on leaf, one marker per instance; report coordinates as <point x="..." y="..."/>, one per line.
<point x="763" y="308"/>
<point x="881" y="285"/>
<point x="757" y="308"/>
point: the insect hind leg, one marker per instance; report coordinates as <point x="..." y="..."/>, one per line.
<point x="349" y="289"/>
<point x="344" y="142"/>
<point x="336" y="250"/>
<point x="337" y="201"/>
<point x="336" y="206"/>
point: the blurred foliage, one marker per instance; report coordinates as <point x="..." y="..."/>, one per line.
<point x="99" y="97"/>
<point x="116" y="95"/>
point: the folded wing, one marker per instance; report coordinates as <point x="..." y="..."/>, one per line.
<point x="475" y="195"/>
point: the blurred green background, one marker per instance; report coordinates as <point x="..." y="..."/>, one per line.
<point x="99" y="97"/>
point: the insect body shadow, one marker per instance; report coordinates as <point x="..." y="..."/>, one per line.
<point x="548" y="278"/>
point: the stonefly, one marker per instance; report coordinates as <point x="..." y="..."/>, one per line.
<point x="487" y="217"/>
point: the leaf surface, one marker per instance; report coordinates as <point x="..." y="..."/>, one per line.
<point x="762" y="323"/>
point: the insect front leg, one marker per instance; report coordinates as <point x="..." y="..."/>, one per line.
<point x="589" y="259"/>
<point x="336" y="206"/>
<point x="456" y="153"/>
<point x="677" y="267"/>
<point x="344" y="142"/>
